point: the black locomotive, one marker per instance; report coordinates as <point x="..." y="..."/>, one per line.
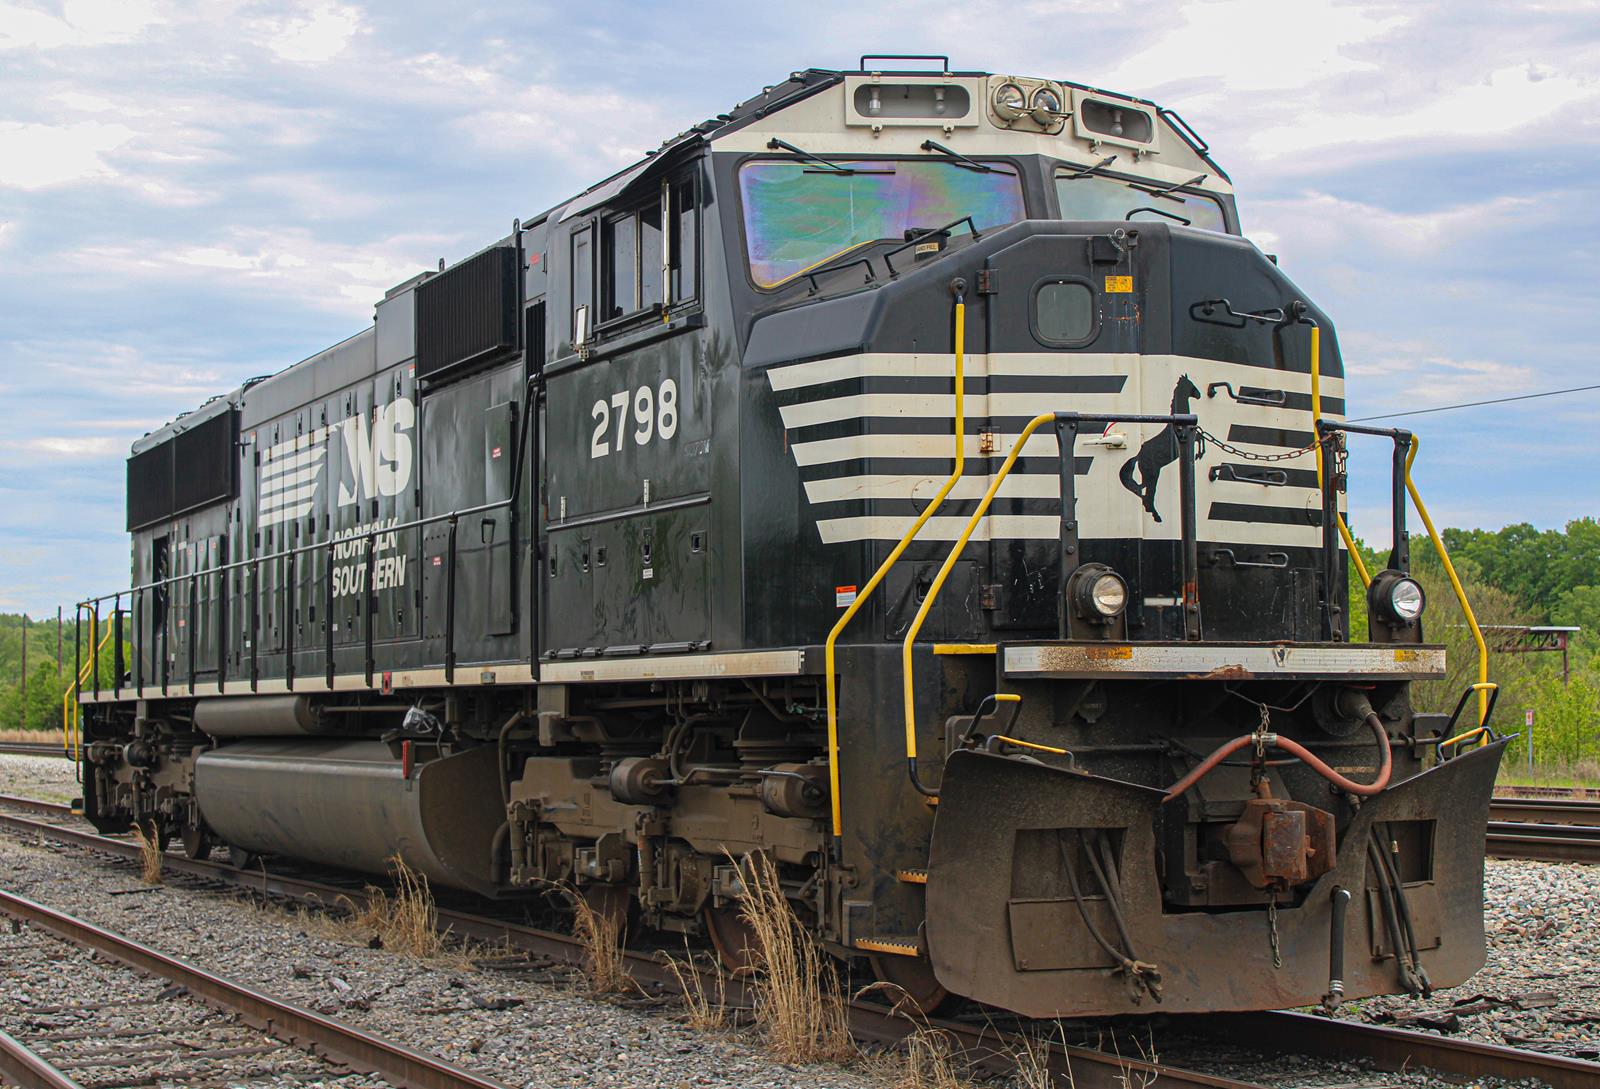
<point x="914" y="477"/>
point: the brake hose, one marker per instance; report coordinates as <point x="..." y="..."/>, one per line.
<point x="1289" y="745"/>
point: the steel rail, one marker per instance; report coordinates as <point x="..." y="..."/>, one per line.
<point x="989" y="1048"/>
<point x="344" y="1044"/>
<point x="1540" y="810"/>
<point x="22" y="1067"/>
<point x="1395" y="1049"/>
<point x="1544" y="842"/>
<point x="33" y="748"/>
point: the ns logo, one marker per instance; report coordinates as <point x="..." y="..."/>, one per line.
<point x="379" y="457"/>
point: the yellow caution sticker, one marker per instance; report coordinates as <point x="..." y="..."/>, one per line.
<point x="1119" y="285"/>
<point x="1107" y="653"/>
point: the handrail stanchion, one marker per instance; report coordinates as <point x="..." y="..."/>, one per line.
<point x="221" y="590"/>
<point x="1190" y="597"/>
<point x="254" y="571"/>
<point x="450" y="605"/>
<point x="327" y="611"/>
<point x="116" y="647"/>
<point x="1400" y="547"/>
<point x="1332" y="585"/>
<point x="369" y="604"/>
<point x="290" y="618"/>
<point x="1070" y="560"/>
<point x="138" y="646"/>
<point x="193" y="617"/>
<point x="166" y="633"/>
<point x="77" y="659"/>
<point x="94" y="642"/>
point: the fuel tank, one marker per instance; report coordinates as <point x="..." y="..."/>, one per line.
<point x="351" y="804"/>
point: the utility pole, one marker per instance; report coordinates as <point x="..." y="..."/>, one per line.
<point x="22" y="713"/>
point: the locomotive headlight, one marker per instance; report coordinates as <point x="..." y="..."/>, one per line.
<point x="1009" y="101"/>
<point x="1396" y="598"/>
<point x="1098" y="592"/>
<point x="1405" y="600"/>
<point x="1046" y="105"/>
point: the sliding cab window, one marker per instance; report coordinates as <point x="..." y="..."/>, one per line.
<point x="648" y="254"/>
<point x="582" y="266"/>
<point x="1096" y="198"/>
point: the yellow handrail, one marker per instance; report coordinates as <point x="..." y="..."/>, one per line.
<point x="70" y="720"/>
<point x="948" y="565"/>
<point x="1455" y="584"/>
<point x="1316" y="418"/>
<point x="1483" y="686"/>
<point x="866" y="591"/>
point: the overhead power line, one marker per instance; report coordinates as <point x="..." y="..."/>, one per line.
<point x="1474" y="404"/>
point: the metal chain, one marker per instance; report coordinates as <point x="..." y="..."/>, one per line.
<point x="1250" y="455"/>
<point x="1272" y="930"/>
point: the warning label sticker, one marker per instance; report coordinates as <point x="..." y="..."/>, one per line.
<point x="1119" y="285"/>
<point x="844" y="597"/>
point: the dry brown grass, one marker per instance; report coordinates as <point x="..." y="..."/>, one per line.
<point x="407" y="922"/>
<point x="32" y="737"/>
<point x="600" y="935"/>
<point x="707" y="1011"/>
<point x="930" y="1062"/>
<point x="798" y="1002"/>
<point x="149" y="856"/>
<point x="1032" y="1058"/>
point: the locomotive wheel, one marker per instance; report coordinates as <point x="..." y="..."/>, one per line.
<point x="911" y="983"/>
<point x="731" y="937"/>
<point x="613" y="903"/>
<point x="197" y="842"/>
<point x="241" y="859"/>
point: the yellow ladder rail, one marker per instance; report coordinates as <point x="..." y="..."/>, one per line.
<point x="866" y="591"/>
<point x="71" y="715"/>
<point x="1455" y="584"/>
<point x="1484" y="685"/>
<point x="944" y="573"/>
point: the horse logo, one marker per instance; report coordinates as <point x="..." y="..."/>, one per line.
<point x="1158" y="451"/>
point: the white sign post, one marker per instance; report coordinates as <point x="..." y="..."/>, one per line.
<point x="1527" y="720"/>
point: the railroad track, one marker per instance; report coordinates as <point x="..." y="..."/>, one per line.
<point x="991" y="1049"/>
<point x="190" y="1025"/>
<point x="33" y="748"/>
<point x="1386" y="1047"/>
<point x="1545" y="829"/>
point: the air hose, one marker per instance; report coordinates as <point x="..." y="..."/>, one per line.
<point x="1289" y="745"/>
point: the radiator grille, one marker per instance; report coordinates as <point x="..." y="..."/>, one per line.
<point x="195" y="468"/>
<point x="467" y="313"/>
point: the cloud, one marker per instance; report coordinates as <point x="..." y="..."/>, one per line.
<point x="68" y="446"/>
<point x="311" y="34"/>
<point x="82" y="23"/>
<point x="34" y="156"/>
<point x="294" y="264"/>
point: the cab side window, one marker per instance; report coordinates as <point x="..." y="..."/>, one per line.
<point x="649" y="253"/>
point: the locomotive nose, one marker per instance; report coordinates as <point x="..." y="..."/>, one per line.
<point x="1048" y="890"/>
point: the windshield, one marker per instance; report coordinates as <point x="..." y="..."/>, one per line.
<point x="1094" y="197"/>
<point x="798" y="215"/>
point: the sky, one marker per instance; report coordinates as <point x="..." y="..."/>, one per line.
<point x="192" y="194"/>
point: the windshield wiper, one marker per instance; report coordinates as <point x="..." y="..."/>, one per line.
<point x="957" y="158"/>
<point x="1168" y="190"/>
<point x="1086" y="171"/>
<point x="830" y="167"/>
